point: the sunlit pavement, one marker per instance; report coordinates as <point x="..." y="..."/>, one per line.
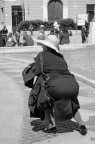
<point x="15" y="121"/>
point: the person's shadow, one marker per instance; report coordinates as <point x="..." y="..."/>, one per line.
<point x="62" y="127"/>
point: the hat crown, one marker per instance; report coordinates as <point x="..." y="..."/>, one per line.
<point x="53" y="39"/>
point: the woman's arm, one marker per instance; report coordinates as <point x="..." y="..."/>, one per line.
<point x="37" y="65"/>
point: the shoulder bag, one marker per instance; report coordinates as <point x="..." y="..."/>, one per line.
<point x="44" y="100"/>
<point x="39" y="99"/>
<point x="28" y="75"/>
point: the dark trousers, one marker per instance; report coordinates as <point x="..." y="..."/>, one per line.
<point x="83" y="39"/>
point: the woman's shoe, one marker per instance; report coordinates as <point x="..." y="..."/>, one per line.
<point x="46" y="130"/>
<point x="50" y="129"/>
<point x="83" y="129"/>
<point x="53" y="130"/>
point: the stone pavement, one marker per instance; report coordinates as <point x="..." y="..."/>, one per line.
<point x="16" y="127"/>
<point x="11" y="110"/>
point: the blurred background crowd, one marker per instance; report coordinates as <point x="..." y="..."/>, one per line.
<point x="26" y="38"/>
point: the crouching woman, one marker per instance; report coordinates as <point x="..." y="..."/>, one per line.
<point x="62" y="85"/>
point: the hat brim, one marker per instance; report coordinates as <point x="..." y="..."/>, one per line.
<point x="46" y="43"/>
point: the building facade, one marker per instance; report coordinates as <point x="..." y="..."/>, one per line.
<point x="12" y="12"/>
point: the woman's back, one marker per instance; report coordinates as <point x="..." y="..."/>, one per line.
<point x="54" y="63"/>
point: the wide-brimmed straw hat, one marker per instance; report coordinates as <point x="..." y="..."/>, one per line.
<point x="51" y="41"/>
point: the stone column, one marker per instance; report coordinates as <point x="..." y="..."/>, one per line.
<point x="23" y="9"/>
<point x="91" y="38"/>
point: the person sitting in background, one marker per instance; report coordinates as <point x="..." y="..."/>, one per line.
<point x="28" y="39"/>
<point x="10" y="41"/>
<point x="2" y="40"/>
<point x="31" y="29"/>
<point x="41" y="35"/>
<point x="64" y="36"/>
<point x="22" y="42"/>
<point x="17" y="37"/>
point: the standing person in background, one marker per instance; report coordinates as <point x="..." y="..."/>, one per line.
<point x="87" y="24"/>
<point x="5" y="33"/>
<point x="56" y="28"/>
<point x="2" y="40"/>
<point x="41" y="35"/>
<point x="64" y="36"/>
<point x="83" y="34"/>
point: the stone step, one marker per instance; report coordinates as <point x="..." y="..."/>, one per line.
<point x="37" y="48"/>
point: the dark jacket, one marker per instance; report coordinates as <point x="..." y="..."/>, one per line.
<point x="65" y="37"/>
<point x="4" y="31"/>
<point x="54" y="63"/>
<point x="29" y="40"/>
<point x="2" y="41"/>
<point x="83" y="32"/>
<point x="56" y="66"/>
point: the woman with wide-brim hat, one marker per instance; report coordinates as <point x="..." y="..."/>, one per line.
<point x="62" y="85"/>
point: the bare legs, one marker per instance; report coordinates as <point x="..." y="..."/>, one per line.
<point x="82" y="127"/>
<point x="78" y="118"/>
<point x="49" y="116"/>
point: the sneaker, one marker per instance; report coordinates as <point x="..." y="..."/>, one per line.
<point x="83" y="129"/>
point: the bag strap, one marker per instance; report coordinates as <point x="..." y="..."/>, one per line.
<point x="45" y="76"/>
<point x="41" y="63"/>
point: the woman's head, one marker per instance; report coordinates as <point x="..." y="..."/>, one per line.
<point x="51" y="42"/>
